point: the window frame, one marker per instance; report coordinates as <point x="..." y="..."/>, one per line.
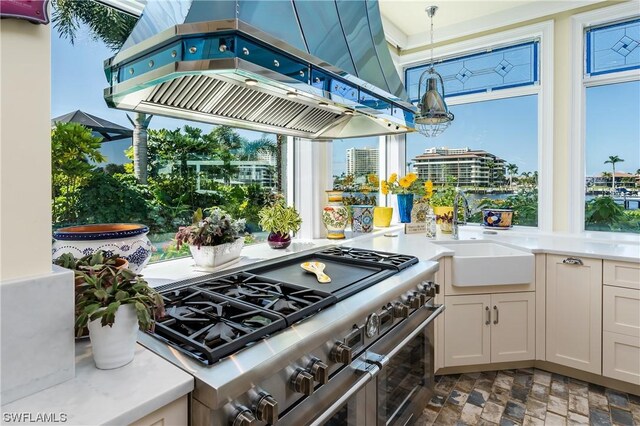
<point x="543" y="89"/>
<point x="580" y="82"/>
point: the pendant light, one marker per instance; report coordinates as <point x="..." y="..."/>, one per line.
<point x="433" y="116"/>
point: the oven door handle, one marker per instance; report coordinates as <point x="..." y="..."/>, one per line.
<point x="383" y="360"/>
<point x="370" y="373"/>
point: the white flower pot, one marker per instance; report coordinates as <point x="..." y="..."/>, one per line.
<point x="114" y="346"/>
<point x="212" y="256"/>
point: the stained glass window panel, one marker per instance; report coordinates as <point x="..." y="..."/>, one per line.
<point x="613" y="48"/>
<point x="482" y="72"/>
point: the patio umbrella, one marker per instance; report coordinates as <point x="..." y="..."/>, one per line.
<point x="99" y="126"/>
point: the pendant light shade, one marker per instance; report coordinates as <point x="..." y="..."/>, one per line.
<point x="433" y="115"/>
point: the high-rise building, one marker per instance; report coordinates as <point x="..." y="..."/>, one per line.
<point x="362" y="161"/>
<point x="470" y="167"/>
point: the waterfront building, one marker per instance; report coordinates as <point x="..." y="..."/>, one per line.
<point x="469" y="166"/>
<point x="362" y="161"/>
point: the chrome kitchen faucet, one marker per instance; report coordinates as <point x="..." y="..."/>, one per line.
<point x="465" y="212"/>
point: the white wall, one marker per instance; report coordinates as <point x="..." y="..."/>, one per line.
<point x="25" y="149"/>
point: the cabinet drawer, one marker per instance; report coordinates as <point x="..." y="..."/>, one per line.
<point x="621" y="274"/>
<point x="621" y="310"/>
<point x="620" y="355"/>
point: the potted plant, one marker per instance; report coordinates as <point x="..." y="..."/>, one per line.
<point x="405" y="187"/>
<point x="113" y="303"/>
<point x="280" y="220"/>
<point x="213" y="240"/>
<point x="442" y="203"/>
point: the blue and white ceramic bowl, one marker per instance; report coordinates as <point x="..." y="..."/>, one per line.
<point x="127" y="240"/>
<point x="497" y="218"/>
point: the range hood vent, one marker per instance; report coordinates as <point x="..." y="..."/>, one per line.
<point x="317" y="69"/>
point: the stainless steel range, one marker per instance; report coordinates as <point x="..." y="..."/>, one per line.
<point x="268" y="343"/>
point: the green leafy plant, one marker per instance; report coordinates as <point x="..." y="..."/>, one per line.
<point x="603" y="213"/>
<point x="444" y="195"/>
<point x="102" y="287"/>
<point x="280" y="218"/>
<point x="217" y="228"/>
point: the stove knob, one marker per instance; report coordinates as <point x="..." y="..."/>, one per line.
<point x="267" y="409"/>
<point x="244" y="417"/>
<point x="320" y="371"/>
<point x="414" y="301"/>
<point x="429" y="288"/>
<point x="400" y="310"/>
<point x="302" y="382"/>
<point x="422" y="296"/>
<point x="341" y="353"/>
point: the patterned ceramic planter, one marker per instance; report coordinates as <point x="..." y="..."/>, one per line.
<point x="497" y="218"/>
<point x="362" y="218"/>
<point x="405" y="205"/>
<point x="128" y="240"/>
<point x="382" y="217"/>
<point x="445" y="225"/>
<point x="212" y="256"/>
<point x="335" y="216"/>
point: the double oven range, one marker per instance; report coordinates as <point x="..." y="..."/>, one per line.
<point x="269" y="344"/>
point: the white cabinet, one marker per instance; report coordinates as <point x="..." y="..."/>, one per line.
<point x="174" y="413"/>
<point x="574" y="312"/>
<point x="485" y="328"/>
<point x="621" y="322"/>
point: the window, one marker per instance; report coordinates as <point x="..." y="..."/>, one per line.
<point x="611" y="132"/>
<point x="355" y="169"/>
<point x="190" y="165"/>
<point x="492" y="147"/>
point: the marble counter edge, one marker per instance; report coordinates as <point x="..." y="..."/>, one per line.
<point x="83" y="397"/>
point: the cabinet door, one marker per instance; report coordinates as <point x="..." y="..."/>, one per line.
<point x="513" y="331"/>
<point x="467" y="330"/>
<point x="621" y="310"/>
<point x="174" y="413"/>
<point x="621" y="357"/>
<point x="574" y="312"/>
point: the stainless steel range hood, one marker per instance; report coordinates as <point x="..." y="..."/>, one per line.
<point x="316" y="69"/>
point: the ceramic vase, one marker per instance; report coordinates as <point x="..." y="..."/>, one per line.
<point x="382" y="217"/>
<point x="277" y="240"/>
<point x="128" y="240"/>
<point x="497" y="218"/>
<point x="362" y="218"/>
<point x="114" y="346"/>
<point x="213" y="256"/>
<point x="445" y="226"/>
<point x="405" y="205"/>
<point x="335" y="216"/>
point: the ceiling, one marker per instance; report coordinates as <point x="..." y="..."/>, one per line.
<point x="407" y="25"/>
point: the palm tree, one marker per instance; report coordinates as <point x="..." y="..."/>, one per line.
<point x="491" y="165"/>
<point x="613" y="159"/>
<point x="113" y="28"/>
<point x="512" y="169"/>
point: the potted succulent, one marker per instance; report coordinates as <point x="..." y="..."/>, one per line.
<point x="113" y="302"/>
<point x="442" y="203"/>
<point x="213" y="240"/>
<point x="280" y="220"/>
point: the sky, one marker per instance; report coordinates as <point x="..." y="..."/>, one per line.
<point x="506" y="128"/>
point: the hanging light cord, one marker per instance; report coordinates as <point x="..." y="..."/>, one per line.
<point x="431" y="13"/>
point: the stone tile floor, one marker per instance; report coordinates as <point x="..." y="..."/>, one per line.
<point x="526" y="397"/>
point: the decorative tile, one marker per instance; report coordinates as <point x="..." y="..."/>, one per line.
<point x="532" y="421"/>
<point x="575" y="419"/>
<point x="552" y="419"/>
<point x="593" y="388"/>
<point x="503" y="381"/>
<point x="470" y="414"/>
<point x="539" y="392"/>
<point x="515" y="411"/>
<point x="483" y="422"/>
<point x="578" y="387"/>
<point x="458" y="397"/>
<point x="506" y="421"/>
<point x="634" y="399"/>
<point x="536" y="408"/>
<point x="478" y="397"/>
<point x="484" y="384"/>
<point x="621" y="417"/>
<point x="579" y="404"/>
<point x="448" y="416"/>
<point x="428" y="417"/>
<point x="437" y="401"/>
<point x="519" y="393"/>
<point x="599" y="418"/>
<point x="598" y="401"/>
<point x="492" y="412"/>
<point x="559" y="389"/>
<point x="557" y="405"/>
<point x="542" y="377"/>
<point x="500" y="396"/>
<point x="559" y="378"/>
<point x="617" y="399"/>
<point x="525" y="380"/>
<point x="466" y="383"/>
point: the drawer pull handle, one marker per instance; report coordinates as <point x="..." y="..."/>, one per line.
<point x="573" y="261"/>
<point x="495" y="308"/>
<point x="488" y="321"/>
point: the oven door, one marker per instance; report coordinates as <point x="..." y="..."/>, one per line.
<point x="390" y="383"/>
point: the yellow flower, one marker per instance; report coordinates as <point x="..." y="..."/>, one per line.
<point x="393" y="177"/>
<point x="373" y="179"/>
<point x="384" y="187"/>
<point x="412" y="177"/>
<point x="428" y="189"/>
<point x="404" y="182"/>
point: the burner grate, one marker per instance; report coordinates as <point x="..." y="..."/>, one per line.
<point x="399" y="261"/>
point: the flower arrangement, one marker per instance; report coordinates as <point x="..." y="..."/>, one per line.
<point x="409" y="184"/>
<point x="217" y="228"/>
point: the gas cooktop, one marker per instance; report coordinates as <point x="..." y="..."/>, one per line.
<point x="212" y="317"/>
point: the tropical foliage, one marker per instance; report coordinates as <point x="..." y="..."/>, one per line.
<point x="604" y="214"/>
<point x="219" y="227"/>
<point x="280" y="218"/>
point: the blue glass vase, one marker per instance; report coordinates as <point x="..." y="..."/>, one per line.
<point x="405" y="204"/>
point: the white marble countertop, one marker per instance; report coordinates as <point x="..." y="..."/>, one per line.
<point x="107" y="397"/>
